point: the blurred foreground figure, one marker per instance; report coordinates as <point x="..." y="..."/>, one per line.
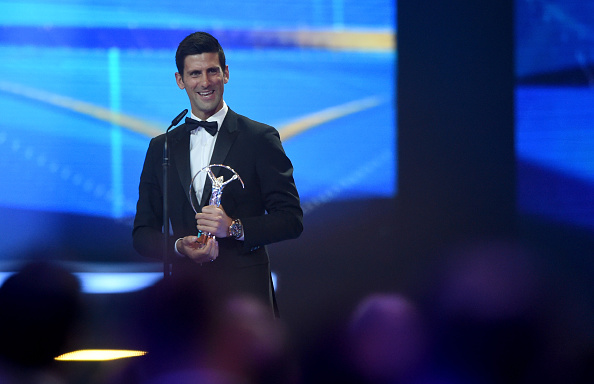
<point x="39" y="306"/>
<point x="194" y="335"/>
<point x="250" y="346"/>
<point x="387" y="340"/>
<point x="490" y="316"/>
<point x="174" y="318"/>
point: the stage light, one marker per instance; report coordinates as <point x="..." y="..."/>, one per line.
<point x="99" y="355"/>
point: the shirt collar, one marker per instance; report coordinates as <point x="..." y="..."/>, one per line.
<point x="218" y="117"/>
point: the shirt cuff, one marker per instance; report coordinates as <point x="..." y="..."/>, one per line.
<point x="175" y="248"/>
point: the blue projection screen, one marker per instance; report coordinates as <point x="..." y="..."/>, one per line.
<point x="555" y="110"/>
<point x="84" y="85"/>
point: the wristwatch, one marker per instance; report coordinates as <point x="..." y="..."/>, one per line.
<point x="236" y="229"/>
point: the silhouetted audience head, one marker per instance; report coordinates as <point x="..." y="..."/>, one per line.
<point x="486" y="313"/>
<point x="249" y="345"/>
<point x="39" y="306"/>
<point x="194" y="336"/>
<point x="387" y="339"/>
<point x="175" y="316"/>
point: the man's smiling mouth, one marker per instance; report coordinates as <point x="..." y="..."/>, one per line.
<point x="206" y="93"/>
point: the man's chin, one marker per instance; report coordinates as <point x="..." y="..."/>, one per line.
<point x="208" y="109"/>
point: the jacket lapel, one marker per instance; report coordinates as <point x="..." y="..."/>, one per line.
<point x="179" y="141"/>
<point x="225" y="138"/>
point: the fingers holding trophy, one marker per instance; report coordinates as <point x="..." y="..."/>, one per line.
<point x="218" y="184"/>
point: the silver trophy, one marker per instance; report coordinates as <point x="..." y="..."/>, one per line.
<point x="218" y="183"/>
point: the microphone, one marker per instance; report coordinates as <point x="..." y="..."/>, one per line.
<point x="165" y="245"/>
<point x="178" y="118"/>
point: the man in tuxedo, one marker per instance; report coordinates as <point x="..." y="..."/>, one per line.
<point x="267" y="210"/>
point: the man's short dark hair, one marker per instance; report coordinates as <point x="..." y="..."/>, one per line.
<point x="195" y="44"/>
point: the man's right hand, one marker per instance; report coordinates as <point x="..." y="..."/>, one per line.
<point x="199" y="253"/>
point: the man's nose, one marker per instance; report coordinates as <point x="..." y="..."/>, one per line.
<point x="204" y="81"/>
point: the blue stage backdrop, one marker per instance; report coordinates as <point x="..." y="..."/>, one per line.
<point x="555" y="110"/>
<point x="85" y="84"/>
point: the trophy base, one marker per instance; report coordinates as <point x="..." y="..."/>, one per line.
<point x="203" y="238"/>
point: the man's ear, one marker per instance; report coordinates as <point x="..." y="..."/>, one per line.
<point x="179" y="80"/>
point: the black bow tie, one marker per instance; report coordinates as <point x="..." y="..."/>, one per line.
<point x="210" y="126"/>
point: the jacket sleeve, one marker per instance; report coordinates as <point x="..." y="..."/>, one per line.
<point x="147" y="234"/>
<point x="284" y="217"/>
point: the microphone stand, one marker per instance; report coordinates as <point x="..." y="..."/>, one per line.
<point x="165" y="245"/>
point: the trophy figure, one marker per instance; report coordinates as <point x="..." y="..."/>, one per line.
<point x="218" y="183"/>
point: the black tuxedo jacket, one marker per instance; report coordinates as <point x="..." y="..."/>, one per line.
<point x="268" y="206"/>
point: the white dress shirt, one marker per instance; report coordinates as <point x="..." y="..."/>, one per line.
<point x="201" y="148"/>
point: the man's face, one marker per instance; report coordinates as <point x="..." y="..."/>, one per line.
<point x="204" y="81"/>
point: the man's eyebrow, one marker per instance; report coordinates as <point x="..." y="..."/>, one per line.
<point x="213" y="68"/>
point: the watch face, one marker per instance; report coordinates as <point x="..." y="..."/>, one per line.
<point x="236" y="229"/>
